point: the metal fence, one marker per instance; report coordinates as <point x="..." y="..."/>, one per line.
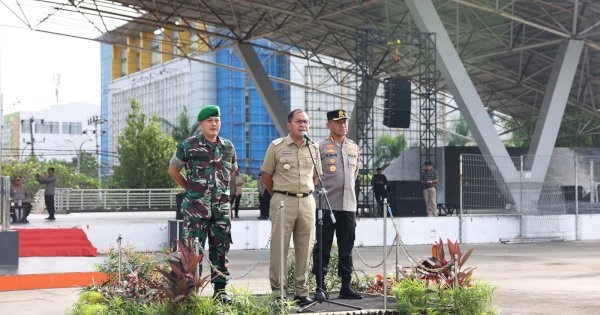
<point x="88" y="200"/>
<point x="545" y="193"/>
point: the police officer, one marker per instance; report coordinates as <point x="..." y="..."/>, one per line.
<point x="339" y="159"/>
<point x="209" y="161"/>
<point x="290" y="176"/>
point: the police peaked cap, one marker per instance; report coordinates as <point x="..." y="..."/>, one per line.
<point x="337" y="114"/>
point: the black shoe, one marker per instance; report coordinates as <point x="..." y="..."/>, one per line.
<point x="348" y="294"/>
<point x="24" y="221"/>
<point x="303" y="300"/>
<point x="263" y="218"/>
<point x="237" y="216"/>
<point x="50" y="218"/>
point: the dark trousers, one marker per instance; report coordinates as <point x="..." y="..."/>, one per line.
<point x="265" y="201"/>
<point x="235" y="203"/>
<point x="344" y="229"/>
<point x="380" y="194"/>
<point x="49" y="201"/>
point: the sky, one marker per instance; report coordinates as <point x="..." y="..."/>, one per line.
<point x="31" y="61"/>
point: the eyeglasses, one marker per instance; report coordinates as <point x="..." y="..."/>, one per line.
<point x="301" y="122"/>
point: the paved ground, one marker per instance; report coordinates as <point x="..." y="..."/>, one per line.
<point x="548" y="278"/>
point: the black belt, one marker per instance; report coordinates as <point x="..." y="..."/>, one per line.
<point x="298" y="195"/>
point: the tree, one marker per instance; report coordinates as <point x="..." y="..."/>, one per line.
<point x="461" y="133"/>
<point x="182" y="129"/>
<point x="144" y="152"/>
<point x="388" y="148"/>
<point x="576" y="130"/>
<point x="66" y="177"/>
<point x="88" y="164"/>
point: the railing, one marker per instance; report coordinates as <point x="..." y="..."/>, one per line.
<point x="85" y="200"/>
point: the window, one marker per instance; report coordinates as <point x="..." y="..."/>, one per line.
<point x="156" y="55"/>
<point x="124" y="61"/>
<point x="48" y="127"/>
<point x="25" y="125"/>
<point x="71" y="128"/>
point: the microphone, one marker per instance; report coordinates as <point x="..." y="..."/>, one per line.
<point x="306" y="137"/>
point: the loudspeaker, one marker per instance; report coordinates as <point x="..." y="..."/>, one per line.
<point x="408" y="207"/>
<point x="397" y="102"/>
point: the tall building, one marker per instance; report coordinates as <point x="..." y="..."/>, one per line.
<point x="163" y="85"/>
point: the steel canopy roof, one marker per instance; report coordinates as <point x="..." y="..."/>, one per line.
<point x="507" y="47"/>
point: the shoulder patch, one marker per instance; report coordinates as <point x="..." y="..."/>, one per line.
<point x="277" y="141"/>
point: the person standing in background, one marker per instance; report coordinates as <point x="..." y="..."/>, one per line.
<point x="20" y="196"/>
<point x="379" y="183"/>
<point x="50" y="183"/>
<point x="429" y="178"/>
<point x="264" y="198"/>
<point x="236" y="192"/>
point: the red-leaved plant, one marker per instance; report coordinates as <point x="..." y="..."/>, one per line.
<point x="181" y="281"/>
<point x="444" y="271"/>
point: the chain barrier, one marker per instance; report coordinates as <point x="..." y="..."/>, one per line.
<point x="260" y="260"/>
<point x="411" y="260"/>
<point x="379" y="264"/>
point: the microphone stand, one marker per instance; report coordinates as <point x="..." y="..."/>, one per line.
<point x="320" y="294"/>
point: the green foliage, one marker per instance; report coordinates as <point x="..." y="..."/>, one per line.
<point x="182" y="128"/>
<point x="476" y="299"/>
<point x="132" y="261"/>
<point x="411" y="296"/>
<point x="332" y="280"/>
<point x="88" y="165"/>
<point x="387" y="148"/>
<point x="460" y="128"/>
<point x="66" y="176"/>
<point x="577" y="129"/>
<point x="144" y="153"/>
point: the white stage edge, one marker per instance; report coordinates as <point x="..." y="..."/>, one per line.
<point x="152" y="234"/>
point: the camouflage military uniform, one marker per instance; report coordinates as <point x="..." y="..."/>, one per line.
<point x="206" y="204"/>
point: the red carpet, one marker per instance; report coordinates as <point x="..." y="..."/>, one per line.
<point x="54" y="242"/>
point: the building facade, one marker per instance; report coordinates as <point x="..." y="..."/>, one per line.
<point x="59" y="132"/>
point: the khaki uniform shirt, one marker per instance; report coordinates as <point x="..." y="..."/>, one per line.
<point x="340" y="170"/>
<point x="291" y="166"/>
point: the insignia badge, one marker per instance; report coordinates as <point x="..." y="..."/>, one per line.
<point x="329" y="146"/>
<point x="330" y="151"/>
<point x="286" y="166"/>
<point x="332" y="168"/>
<point x="332" y="161"/>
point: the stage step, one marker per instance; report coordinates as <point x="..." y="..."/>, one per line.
<point x="54" y="242"/>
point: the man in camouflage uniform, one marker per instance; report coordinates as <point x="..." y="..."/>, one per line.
<point x="209" y="162"/>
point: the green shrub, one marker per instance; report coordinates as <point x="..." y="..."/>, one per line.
<point x="411" y="296"/>
<point x="476" y="299"/>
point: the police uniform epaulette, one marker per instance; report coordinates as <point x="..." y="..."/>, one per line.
<point x="277" y="141"/>
<point x="350" y="140"/>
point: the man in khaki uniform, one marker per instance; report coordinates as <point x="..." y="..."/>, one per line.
<point x="290" y="176"/>
<point x="339" y="159"/>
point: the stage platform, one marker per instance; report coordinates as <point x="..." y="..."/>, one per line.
<point x="149" y="231"/>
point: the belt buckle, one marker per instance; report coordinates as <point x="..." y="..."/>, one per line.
<point x="299" y="195"/>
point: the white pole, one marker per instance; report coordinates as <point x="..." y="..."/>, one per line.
<point x="385" y="216"/>
<point x="282" y="259"/>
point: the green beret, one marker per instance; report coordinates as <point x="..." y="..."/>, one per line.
<point x="208" y="111"/>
